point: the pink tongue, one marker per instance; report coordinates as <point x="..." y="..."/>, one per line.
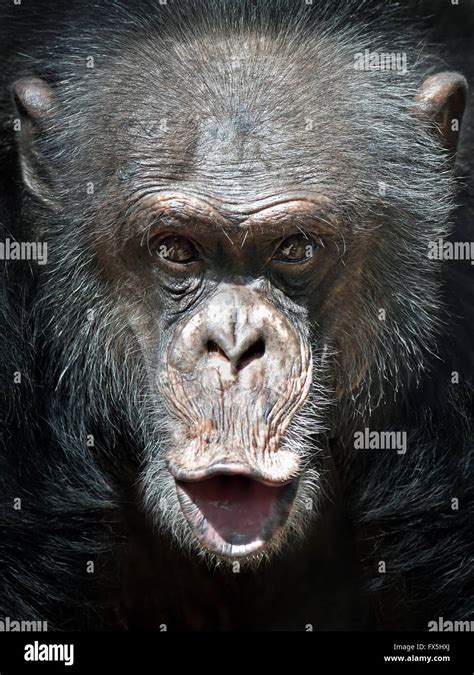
<point x="236" y="507"/>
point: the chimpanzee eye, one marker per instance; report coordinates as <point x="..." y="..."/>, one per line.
<point x="295" y="249"/>
<point x="174" y="248"/>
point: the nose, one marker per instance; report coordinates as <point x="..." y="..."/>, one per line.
<point x="245" y="349"/>
<point x="237" y="338"/>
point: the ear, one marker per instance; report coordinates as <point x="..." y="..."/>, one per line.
<point x="34" y="102"/>
<point x="442" y="99"/>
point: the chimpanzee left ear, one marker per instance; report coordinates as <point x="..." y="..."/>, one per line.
<point x="34" y="102"/>
<point x="442" y="99"/>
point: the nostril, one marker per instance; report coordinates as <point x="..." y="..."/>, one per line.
<point x="213" y="347"/>
<point x="255" y="351"/>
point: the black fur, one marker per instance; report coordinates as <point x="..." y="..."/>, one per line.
<point x="80" y="504"/>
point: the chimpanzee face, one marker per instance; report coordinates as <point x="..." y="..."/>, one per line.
<point x="220" y="275"/>
<point x="248" y="253"/>
<point x="229" y="354"/>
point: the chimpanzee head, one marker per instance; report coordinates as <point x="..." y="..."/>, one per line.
<point x="238" y="227"/>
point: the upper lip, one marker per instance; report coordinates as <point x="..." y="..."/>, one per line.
<point x="226" y="469"/>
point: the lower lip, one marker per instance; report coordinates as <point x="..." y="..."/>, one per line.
<point x="234" y="516"/>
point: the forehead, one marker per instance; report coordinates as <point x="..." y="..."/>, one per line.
<point x="242" y="118"/>
<point x="227" y="154"/>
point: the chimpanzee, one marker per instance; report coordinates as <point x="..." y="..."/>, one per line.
<point x="236" y="366"/>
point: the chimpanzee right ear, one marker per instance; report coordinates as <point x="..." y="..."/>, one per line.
<point x="441" y="100"/>
<point x="34" y="102"/>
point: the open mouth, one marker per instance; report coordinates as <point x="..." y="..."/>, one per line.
<point x="234" y="515"/>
